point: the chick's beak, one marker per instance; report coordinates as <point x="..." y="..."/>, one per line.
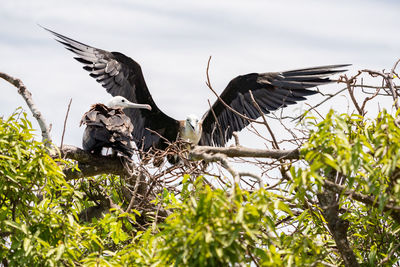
<point x="191" y="126"/>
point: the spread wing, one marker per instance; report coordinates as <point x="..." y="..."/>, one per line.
<point x="271" y="90"/>
<point x="122" y="76"/>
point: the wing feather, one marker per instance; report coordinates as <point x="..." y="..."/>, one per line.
<point x="271" y="91"/>
<point x="122" y="76"/>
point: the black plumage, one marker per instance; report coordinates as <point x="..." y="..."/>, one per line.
<point x="121" y="75"/>
<point x="107" y="127"/>
<point x="271" y="90"/>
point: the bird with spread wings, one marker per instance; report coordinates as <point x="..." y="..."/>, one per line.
<point x="122" y="76"/>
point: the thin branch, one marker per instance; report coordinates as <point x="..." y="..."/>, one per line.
<point x="388" y="78"/>
<point x="370" y="98"/>
<point x="216" y="121"/>
<point x="392" y="86"/>
<point x="65" y="123"/>
<point x="274" y="143"/>
<point x="132" y="202"/>
<point x="390" y="254"/>
<point x="257" y="177"/>
<point x="222" y="158"/>
<point x="349" y="83"/>
<point x="369" y="200"/>
<point x="236" y="138"/>
<point x="208" y="83"/>
<point x="301" y="117"/>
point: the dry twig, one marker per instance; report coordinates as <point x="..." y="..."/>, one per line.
<point x="65" y="123"/>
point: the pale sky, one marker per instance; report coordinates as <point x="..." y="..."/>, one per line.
<point x="172" y="41"/>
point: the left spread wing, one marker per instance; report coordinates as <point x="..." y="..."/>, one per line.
<point x="122" y="76"/>
<point x="271" y="90"/>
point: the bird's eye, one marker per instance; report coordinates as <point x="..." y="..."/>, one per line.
<point x="123" y="100"/>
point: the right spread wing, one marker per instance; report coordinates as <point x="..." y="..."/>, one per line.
<point x="271" y="90"/>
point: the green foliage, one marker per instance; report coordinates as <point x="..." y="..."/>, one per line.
<point x="39" y="223"/>
<point x="366" y="152"/>
<point x="209" y="227"/>
<point x="33" y="225"/>
<point x="38" y="215"/>
<point x="212" y="229"/>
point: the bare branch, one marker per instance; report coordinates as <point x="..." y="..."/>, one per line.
<point x="257" y="177"/>
<point x="350" y="88"/>
<point x="222" y="158"/>
<point x="90" y="165"/>
<point x="132" y="201"/>
<point x="274" y="143"/>
<point x="301" y="117"/>
<point x="24" y="92"/>
<point x="392" y="86"/>
<point x="246" y="152"/>
<point x="65" y="123"/>
<point x="388" y="78"/>
<point x="236" y="138"/>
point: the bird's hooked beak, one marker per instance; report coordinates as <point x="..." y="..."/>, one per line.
<point x="135" y="105"/>
<point x="194" y="126"/>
